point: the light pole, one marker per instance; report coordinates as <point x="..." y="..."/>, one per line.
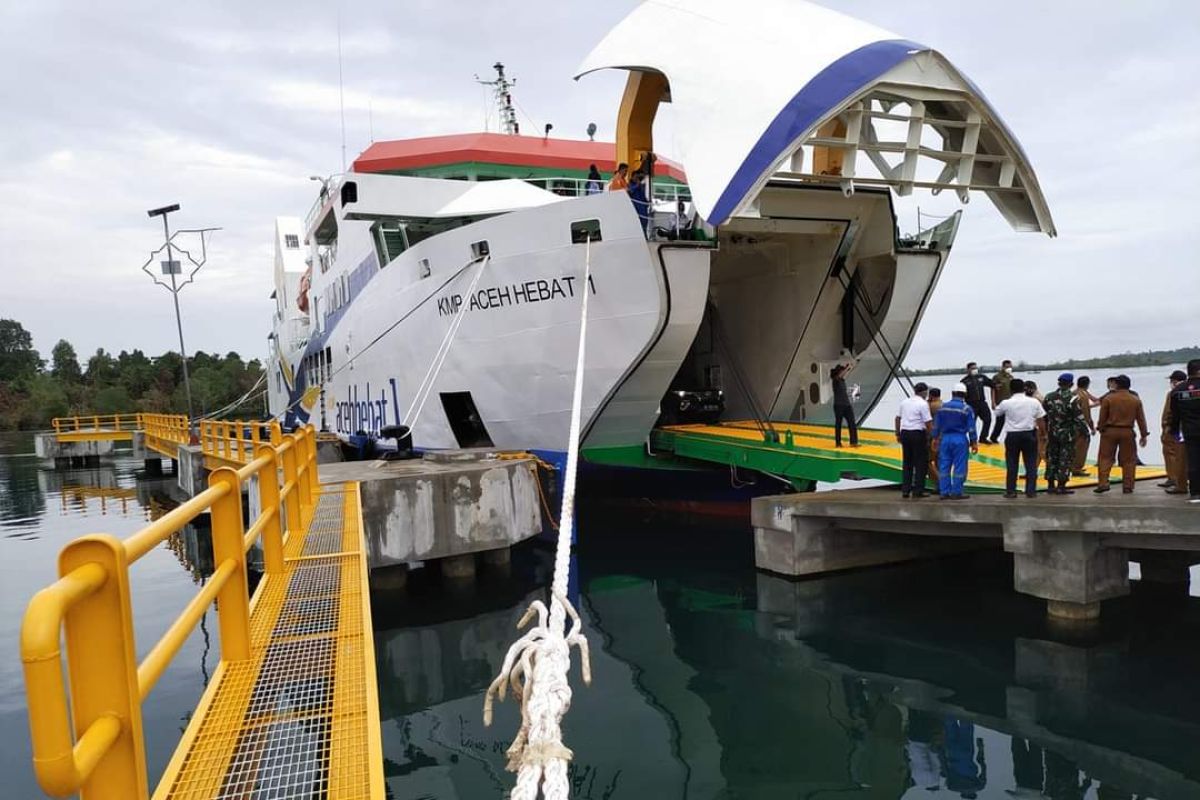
<point x="172" y="268"/>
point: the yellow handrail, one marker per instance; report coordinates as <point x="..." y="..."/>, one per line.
<point x="90" y="604"/>
<point x="233" y="441"/>
<point x="117" y="422"/>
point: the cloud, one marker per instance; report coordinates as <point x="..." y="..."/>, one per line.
<point x="226" y="109"/>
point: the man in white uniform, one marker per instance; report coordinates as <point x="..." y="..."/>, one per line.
<point x="912" y="432"/>
<point x="1023" y="418"/>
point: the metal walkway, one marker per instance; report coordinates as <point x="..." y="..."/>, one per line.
<point x="292" y="709"/>
<point x="300" y="718"/>
<point x="807" y="453"/>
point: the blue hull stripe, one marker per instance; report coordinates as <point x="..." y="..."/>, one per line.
<point x="828" y="89"/>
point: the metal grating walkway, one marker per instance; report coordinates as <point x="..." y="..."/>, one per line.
<point x="812" y="455"/>
<point x="300" y="717"/>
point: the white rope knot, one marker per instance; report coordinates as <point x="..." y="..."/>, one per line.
<point x="536" y="668"/>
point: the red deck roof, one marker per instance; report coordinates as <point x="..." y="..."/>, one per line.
<point x="497" y="148"/>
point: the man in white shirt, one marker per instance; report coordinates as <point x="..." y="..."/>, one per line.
<point x="913" y="422"/>
<point x="1023" y="418"/>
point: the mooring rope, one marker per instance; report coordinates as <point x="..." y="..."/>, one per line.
<point x="537" y="664"/>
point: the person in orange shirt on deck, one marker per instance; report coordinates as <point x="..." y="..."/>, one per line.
<point x="620" y="179"/>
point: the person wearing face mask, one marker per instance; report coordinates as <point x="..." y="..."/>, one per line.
<point x="1064" y="422"/>
<point x="1120" y="412"/>
<point x="1001" y="391"/>
<point x="975" y="383"/>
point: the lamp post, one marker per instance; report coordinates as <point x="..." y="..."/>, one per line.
<point x="171" y="267"/>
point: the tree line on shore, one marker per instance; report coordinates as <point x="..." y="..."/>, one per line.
<point x="1145" y="358"/>
<point x="34" y="390"/>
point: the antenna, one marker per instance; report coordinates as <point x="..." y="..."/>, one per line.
<point x="502" y="91"/>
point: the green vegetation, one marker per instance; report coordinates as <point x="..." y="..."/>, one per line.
<point x="32" y="394"/>
<point x="1145" y="358"/>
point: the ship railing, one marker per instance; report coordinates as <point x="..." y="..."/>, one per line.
<point x="87" y="731"/>
<point x="570" y="186"/>
<point x="325" y="197"/>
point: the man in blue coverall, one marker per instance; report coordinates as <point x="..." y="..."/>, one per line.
<point x="953" y="429"/>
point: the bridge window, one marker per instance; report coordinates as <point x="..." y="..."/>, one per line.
<point x="480" y="249"/>
<point x="291" y="241"/>
<point x="585" y="230"/>
<point x="424" y="269"/>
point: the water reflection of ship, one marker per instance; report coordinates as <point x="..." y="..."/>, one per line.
<point x="873" y="683"/>
<point x="432" y="675"/>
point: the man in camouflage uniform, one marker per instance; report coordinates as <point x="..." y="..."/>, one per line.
<point x="1064" y="421"/>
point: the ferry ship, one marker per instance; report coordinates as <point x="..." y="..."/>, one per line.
<point x="437" y="283"/>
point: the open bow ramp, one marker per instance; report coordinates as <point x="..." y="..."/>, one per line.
<point x="770" y="89"/>
<point x="807" y="453"/>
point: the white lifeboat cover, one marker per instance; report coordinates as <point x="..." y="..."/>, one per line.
<point x="750" y="80"/>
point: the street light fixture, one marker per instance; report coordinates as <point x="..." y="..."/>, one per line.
<point x="171" y="267"/>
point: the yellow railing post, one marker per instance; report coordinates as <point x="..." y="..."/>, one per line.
<point x="302" y="473"/>
<point x="290" y="481"/>
<point x="314" y="479"/>
<point x="102" y="673"/>
<point x="268" y="498"/>
<point x="233" y="601"/>
<point x="276" y="432"/>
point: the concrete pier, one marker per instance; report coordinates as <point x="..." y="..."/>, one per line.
<point x="1071" y="551"/>
<point x="71" y="454"/>
<point x="447" y="506"/>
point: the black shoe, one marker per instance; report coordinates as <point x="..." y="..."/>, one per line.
<point x="1010" y="495"/>
<point x="1101" y="489"/>
<point x="919" y="495"/>
<point x="904" y="495"/>
<point x="961" y="497"/>
<point x="1031" y="494"/>
<point x="1174" y="490"/>
<point x="1126" y="491"/>
<point x="1065" y="490"/>
<point x="1167" y="484"/>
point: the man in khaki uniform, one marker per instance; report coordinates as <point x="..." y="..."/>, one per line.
<point x="1087" y="401"/>
<point x="1174" y="456"/>
<point x="1120" y="411"/>
<point x="935" y="405"/>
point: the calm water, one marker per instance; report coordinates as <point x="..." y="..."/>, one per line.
<point x="713" y="681"/>
<point x="710" y="680"/>
<point x="43" y="509"/>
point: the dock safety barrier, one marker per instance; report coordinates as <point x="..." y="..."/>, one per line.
<point x="235" y="441"/>
<point x="87" y="732"/>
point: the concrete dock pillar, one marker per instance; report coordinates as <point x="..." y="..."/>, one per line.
<point x="1072" y="572"/>
<point x="458" y="568"/>
<point x="801" y="545"/>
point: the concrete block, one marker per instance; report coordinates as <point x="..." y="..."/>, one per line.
<point x="191" y="475"/>
<point x="426" y="509"/>
<point x="49" y="448"/>
<point x="816" y="545"/>
<point x="1071" y="567"/>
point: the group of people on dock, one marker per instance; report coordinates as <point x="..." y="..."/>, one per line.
<point x="1054" y="429"/>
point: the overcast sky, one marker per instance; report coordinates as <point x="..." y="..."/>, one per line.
<point x="227" y="107"/>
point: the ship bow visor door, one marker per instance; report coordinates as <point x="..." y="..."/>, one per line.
<point x="785" y="88"/>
